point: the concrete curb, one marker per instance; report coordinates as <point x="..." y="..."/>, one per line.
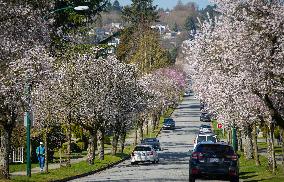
<point x="92" y="172"/>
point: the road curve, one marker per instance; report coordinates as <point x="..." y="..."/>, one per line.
<point x="173" y="165"/>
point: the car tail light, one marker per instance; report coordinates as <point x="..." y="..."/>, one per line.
<point x="232" y="172"/>
<point x="233" y="157"/>
<point x="194" y="171"/>
<point x="197" y="155"/>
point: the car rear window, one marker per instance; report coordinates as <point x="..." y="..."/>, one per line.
<point x="201" y="139"/>
<point x="168" y="120"/>
<point x="141" y="148"/>
<point x="220" y="149"/>
<point x="211" y="138"/>
<point x="150" y="140"/>
<point x="205" y="126"/>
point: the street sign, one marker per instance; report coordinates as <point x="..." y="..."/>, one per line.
<point x="219" y="125"/>
<point x="28" y="115"/>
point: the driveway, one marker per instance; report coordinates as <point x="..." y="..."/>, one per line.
<point x="173" y="165"/>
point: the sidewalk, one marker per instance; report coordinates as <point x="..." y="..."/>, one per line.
<point x="128" y="141"/>
<point x="50" y="166"/>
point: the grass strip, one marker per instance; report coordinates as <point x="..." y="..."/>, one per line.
<point x="250" y="172"/>
<point x="76" y="169"/>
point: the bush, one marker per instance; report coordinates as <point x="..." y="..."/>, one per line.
<point x="81" y="145"/>
<point x="107" y="140"/>
<point x="74" y="148"/>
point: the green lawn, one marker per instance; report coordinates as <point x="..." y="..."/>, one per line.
<point x="250" y="172"/>
<point x="20" y="167"/>
<point x="75" y="169"/>
<point x="263" y="145"/>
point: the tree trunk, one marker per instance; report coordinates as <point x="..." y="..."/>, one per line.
<point x="248" y="149"/>
<point x="91" y="147"/>
<point x="68" y="162"/>
<point x="4" y="152"/>
<point x="272" y="148"/>
<point x="140" y="127"/>
<point x="101" y="147"/>
<point x="114" y="142"/>
<point x="282" y="144"/>
<point x="46" y="149"/>
<point x="60" y="154"/>
<point x="154" y="122"/>
<point x="255" y="147"/>
<point x="122" y="138"/>
<point x="136" y="137"/>
<point x="147" y="127"/>
<point x="140" y="133"/>
<point x="229" y="135"/>
<point x="240" y="141"/>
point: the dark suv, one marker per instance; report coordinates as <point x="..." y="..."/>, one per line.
<point x="169" y="123"/>
<point x="214" y="161"/>
<point x="205" y="117"/>
<point x="154" y="142"/>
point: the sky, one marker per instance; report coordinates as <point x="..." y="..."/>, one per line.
<point x="170" y="3"/>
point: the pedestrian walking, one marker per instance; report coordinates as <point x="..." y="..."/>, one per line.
<point x="40" y="151"/>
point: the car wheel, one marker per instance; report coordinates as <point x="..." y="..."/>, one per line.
<point x="132" y="163"/>
<point x="191" y="178"/>
<point x="157" y="161"/>
<point x="235" y="179"/>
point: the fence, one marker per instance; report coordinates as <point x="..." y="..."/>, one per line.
<point x="17" y="155"/>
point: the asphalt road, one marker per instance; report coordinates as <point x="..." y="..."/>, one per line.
<point x="173" y="165"/>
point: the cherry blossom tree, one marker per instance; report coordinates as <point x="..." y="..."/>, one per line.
<point x="236" y="63"/>
<point x="23" y="61"/>
<point x="162" y="90"/>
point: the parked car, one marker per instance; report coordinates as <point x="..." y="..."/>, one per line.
<point x="205" y="137"/>
<point x="169" y="123"/>
<point x="186" y="93"/>
<point x="205" y="117"/>
<point x="154" y="142"/>
<point x="205" y="128"/>
<point x="144" y="153"/>
<point x="214" y="161"/>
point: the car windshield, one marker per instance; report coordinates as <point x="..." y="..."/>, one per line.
<point x="215" y="148"/>
<point x="142" y="148"/>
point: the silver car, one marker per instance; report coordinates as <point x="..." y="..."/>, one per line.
<point x="205" y="137"/>
<point x="144" y="153"/>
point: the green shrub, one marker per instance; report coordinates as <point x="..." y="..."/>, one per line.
<point x="81" y="145"/>
<point x="107" y="140"/>
<point x="74" y="148"/>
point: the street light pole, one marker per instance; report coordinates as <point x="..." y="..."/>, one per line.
<point x="77" y="8"/>
<point x="27" y="116"/>
<point x="27" y="123"/>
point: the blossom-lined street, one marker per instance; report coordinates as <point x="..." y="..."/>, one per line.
<point x="174" y="157"/>
<point x="84" y="85"/>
